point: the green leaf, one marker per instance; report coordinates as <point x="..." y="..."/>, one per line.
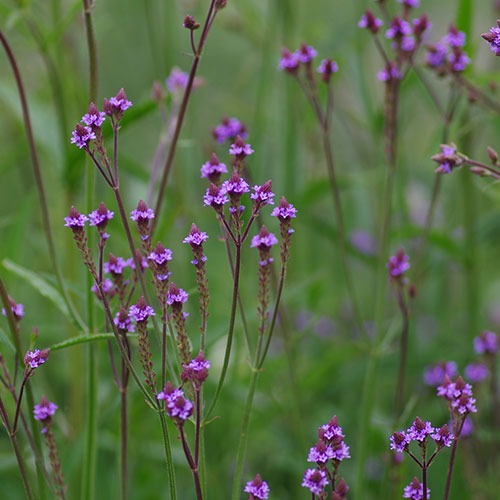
<point x="82" y="339"/>
<point x="40" y="285"/>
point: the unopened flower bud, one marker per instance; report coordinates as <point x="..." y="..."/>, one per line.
<point x="493" y="155"/>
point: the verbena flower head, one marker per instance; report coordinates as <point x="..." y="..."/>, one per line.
<point x="100" y="217"/>
<point x="436" y="56"/>
<point x="326" y="69"/>
<point x="419" y="430"/>
<point x="398" y="264"/>
<point x="447" y="159"/>
<point x="454" y="38"/>
<point x="398" y="28"/>
<point x="284" y="211"/>
<point x="123" y="321"/>
<point x="215" y="197"/>
<point x="190" y="23"/>
<point x="340" y="449"/>
<point x="263" y="195"/>
<point x="331" y="430"/>
<point x="370" y="22"/>
<point x="434" y="374"/>
<point x="320" y="453"/>
<point x="486" y="343"/>
<point x="81" y="136"/>
<point x="177" y="80"/>
<point x="459" y="396"/>
<point x="289" y="61"/>
<point x="116" y="265"/>
<point x="443" y="436"/>
<point x="33" y="359"/>
<point x="176" y="296"/>
<point x="415" y="491"/>
<point x="44" y="410"/>
<point x="240" y="148"/>
<point x="229" y="129"/>
<point x="141" y="311"/>
<point x="389" y="73"/>
<point x="476" y="372"/>
<point x="263" y="240"/>
<point x="315" y="481"/>
<point x="107" y="287"/>
<point x="458" y="60"/>
<point x="306" y="53"/>
<point x="16" y="309"/>
<point x="196" y="370"/>
<point x="257" y="488"/>
<point x="493" y="38"/>
<point x="341" y="490"/>
<point x="177" y="406"/>
<point x="410" y="3"/>
<point x="399" y="441"/>
<point x="93" y="118"/>
<point x="235" y="187"/>
<point x="142" y="213"/>
<point x="213" y="169"/>
<point x="160" y="255"/>
<point x="195" y="238"/>
<point x="75" y="220"/>
<point x="115" y="106"/>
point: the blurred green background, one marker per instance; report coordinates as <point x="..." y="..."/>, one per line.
<point x="317" y="362"/>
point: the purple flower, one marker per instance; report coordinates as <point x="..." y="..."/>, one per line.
<point x="240" y="148"/>
<point x="229" y="128"/>
<point x="459" y="395"/>
<point x="331" y="430"/>
<point x="142" y="213"/>
<point x="443" y="436"/>
<point x="476" y="372"/>
<point x="93" y="118"/>
<point x="436" y="55"/>
<point x="141" y="311"/>
<point x="257" y="488"/>
<point x="284" y="211"/>
<point x="447" y="159"/>
<point x="315" y="480"/>
<point x="213" y="169"/>
<point x="289" y="61"/>
<point x="408" y="43"/>
<point x="370" y="22"/>
<point x="107" y="288"/>
<point x="262" y="195"/>
<point x="399" y="441"/>
<point x="116" y="265"/>
<point x="115" y="106"/>
<point x="415" y="490"/>
<point x="410" y="3"/>
<point x="160" y="255"/>
<point x="196" y="370"/>
<point x="17" y="310"/>
<point x="493" y="38"/>
<point x="464" y="404"/>
<point x="326" y="69"/>
<point x="215" y="197"/>
<point x="190" y="23"/>
<point x="306" y="53"/>
<point x="44" y="410"/>
<point x="123" y="321"/>
<point x="33" y="359"/>
<point x="486" y="343"/>
<point x="398" y="264"/>
<point x="434" y="374"/>
<point x="320" y="453"/>
<point x="419" y="430"/>
<point x="176" y="296"/>
<point x="458" y="61"/>
<point x="176" y="405"/>
<point x="75" y="219"/>
<point x="177" y="80"/>
<point x="195" y="237"/>
<point x="390" y="72"/>
<point x="340" y="449"/>
<point x="81" y="136"/>
<point x="264" y="239"/>
<point x="101" y="216"/>
<point x="454" y="38"/>
<point x="235" y="186"/>
<point x="398" y="28"/>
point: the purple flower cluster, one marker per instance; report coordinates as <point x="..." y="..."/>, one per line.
<point x="398" y="264"/>
<point x="213" y="169"/>
<point x="44" y="410"/>
<point x="141" y="311"/>
<point x="177" y="80"/>
<point x="263" y="195"/>
<point x="435" y="374"/>
<point x="240" y="148"/>
<point x="290" y="62"/>
<point x="447" y="159"/>
<point x="257" y="488"/>
<point x="228" y="130"/>
<point x="459" y="396"/>
<point x="123" y="321"/>
<point x="176" y="296"/>
<point x="81" y="136"/>
<point x="447" y="55"/>
<point x="284" y="211"/>
<point x="415" y="490"/>
<point x="17" y="310"/>
<point x="419" y="431"/>
<point x="330" y="447"/>
<point x="493" y="38"/>
<point x="33" y="359"/>
<point x="100" y="217"/>
<point x="196" y="370"/>
<point x="177" y="406"/>
<point x="486" y="343"/>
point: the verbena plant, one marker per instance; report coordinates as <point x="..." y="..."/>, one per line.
<point x="168" y="355"/>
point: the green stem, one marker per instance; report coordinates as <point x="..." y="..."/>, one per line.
<point x="168" y="456"/>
